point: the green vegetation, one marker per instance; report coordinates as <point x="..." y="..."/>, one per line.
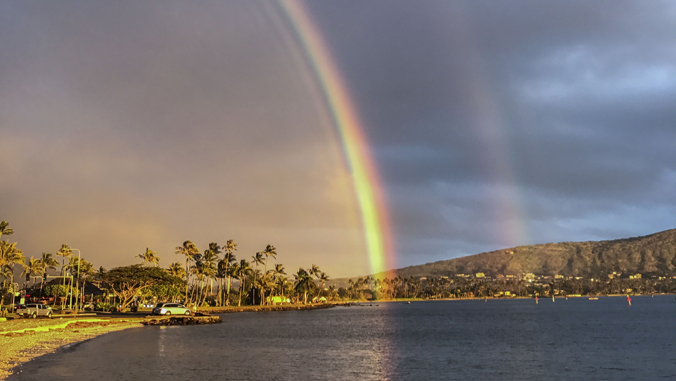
<point x="642" y="265"/>
<point x="369" y="288"/>
<point x="128" y="282"/>
<point x="206" y="279"/>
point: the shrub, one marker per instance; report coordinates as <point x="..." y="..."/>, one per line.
<point x="103" y="306"/>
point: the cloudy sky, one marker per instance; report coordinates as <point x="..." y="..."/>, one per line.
<point x="126" y="125"/>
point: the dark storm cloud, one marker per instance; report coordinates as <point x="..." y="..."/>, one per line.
<point x="581" y="96"/>
<point x="125" y="125"/>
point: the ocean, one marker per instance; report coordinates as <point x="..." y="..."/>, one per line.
<point x="574" y="339"/>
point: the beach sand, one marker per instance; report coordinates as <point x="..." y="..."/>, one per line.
<point x="24" y="339"/>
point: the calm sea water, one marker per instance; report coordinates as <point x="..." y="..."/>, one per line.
<point x="444" y="340"/>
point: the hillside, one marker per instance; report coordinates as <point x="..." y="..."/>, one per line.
<point x="653" y="254"/>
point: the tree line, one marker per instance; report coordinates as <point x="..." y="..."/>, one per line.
<point x="205" y="278"/>
<point x="370" y="288"/>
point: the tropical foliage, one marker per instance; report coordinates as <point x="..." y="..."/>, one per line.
<point x="127" y="282"/>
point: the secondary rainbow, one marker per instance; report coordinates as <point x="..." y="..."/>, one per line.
<point x="365" y="177"/>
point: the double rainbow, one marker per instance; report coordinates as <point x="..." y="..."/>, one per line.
<point x="365" y="177"/>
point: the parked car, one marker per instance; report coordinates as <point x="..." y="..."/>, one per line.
<point x="33" y="310"/>
<point x="171" y="309"/>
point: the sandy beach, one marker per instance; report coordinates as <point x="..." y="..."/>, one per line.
<point x="24" y="339"/>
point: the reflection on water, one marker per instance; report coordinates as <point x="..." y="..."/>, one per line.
<point x="456" y="340"/>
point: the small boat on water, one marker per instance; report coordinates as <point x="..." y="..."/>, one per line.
<point x="593" y="298"/>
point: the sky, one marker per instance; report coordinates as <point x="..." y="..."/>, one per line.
<point x="126" y="125"/>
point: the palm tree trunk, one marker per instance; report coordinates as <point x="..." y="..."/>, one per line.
<point x="219" y="298"/>
<point x="227" y="296"/>
<point x="192" y="293"/>
<point x="241" y="283"/>
<point x="187" y="280"/>
<point x="63" y="264"/>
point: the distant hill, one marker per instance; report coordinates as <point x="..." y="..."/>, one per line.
<point x="652" y="254"/>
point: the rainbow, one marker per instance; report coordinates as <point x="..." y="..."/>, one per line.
<point x="366" y="181"/>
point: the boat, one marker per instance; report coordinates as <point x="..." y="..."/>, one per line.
<point x="593" y="298"/>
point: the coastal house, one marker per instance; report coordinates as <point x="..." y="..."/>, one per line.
<point x="479" y="275"/>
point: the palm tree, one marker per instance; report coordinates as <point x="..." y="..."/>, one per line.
<point x="84" y="271"/>
<point x="277" y="273"/>
<point x="257" y="260"/>
<point x="279" y="269"/>
<point x="243" y="270"/>
<point x="267" y="282"/>
<point x="9" y="256"/>
<point x="229" y="247"/>
<point x="198" y="271"/>
<point x="234" y="272"/>
<point x="5" y="229"/>
<point x="323" y="277"/>
<point x="209" y="260"/>
<point x="48" y="263"/>
<point x="269" y="251"/>
<point x="189" y="250"/>
<point x="99" y="274"/>
<point x="149" y="257"/>
<point x="304" y="283"/>
<point x="281" y="282"/>
<point x="65" y="252"/>
<point x="176" y="269"/>
<point x="33" y="267"/>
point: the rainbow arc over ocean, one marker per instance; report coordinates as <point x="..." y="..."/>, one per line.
<point x="366" y="181"/>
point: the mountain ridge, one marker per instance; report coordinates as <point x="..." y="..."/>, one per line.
<point x="653" y="254"/>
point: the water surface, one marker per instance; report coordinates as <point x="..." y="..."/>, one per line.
<point x="444" y="340"/>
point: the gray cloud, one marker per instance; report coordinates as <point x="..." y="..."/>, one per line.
<point x="127" y="124"/>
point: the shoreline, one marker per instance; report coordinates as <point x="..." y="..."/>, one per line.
<point x="22" y="340"/>
<point x="404" y="300"/>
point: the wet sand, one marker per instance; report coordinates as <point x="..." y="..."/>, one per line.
<point x="24" y="339"/>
